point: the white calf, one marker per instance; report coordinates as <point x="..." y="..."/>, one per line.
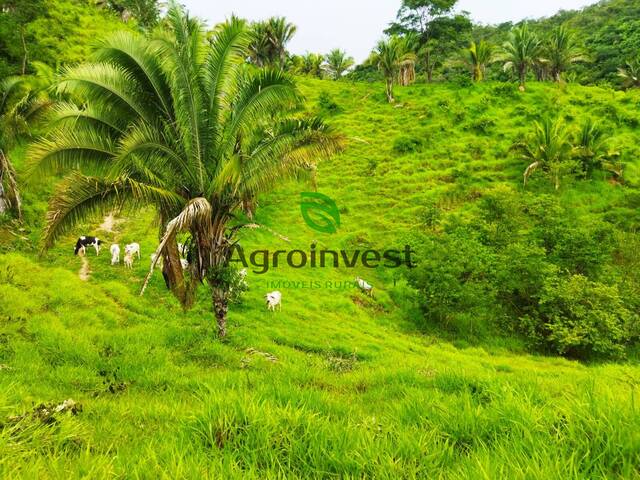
<point x="128" y="260"/>
<point x="274" y="299"/>
<point x="364" y="286"/>
<point x="133" y="248"/>
<point x="115" y="254"/>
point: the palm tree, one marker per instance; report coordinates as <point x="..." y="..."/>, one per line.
<point x="269" y="44"/>
<point x="182" y="125"/>
<point x="630" y="74"/>
<point x="387" y="57"/>
<point x="312" y="64"/>
<point x="478" y="56"/>
<point x="520" y="52"/>
<point x="562" y="51"/>
<point x="591" y="147"/>
<point x="337" y="62"/>
<point x="548" y="150"/>
<point x="23" y="99"/>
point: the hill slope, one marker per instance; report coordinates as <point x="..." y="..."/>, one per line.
<point x="336" y="384"/>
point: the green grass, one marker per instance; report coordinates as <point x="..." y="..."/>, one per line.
<point x="336" y="385"/>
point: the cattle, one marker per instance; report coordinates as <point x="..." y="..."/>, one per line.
<point x="274" y="299"/>
<point x="84" y="242"/>
<point x="133" y="248"/>
<point x="128" y="260"/>
<point x="115" y="254"/>
<point x="364" y="286"/>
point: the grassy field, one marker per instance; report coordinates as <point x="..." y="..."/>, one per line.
<point x="336" y="385"/>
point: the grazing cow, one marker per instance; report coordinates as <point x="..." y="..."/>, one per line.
<point x="364" y="286"/>
<point x="128" y="260"/>
<point x="115" y="254"/>
<point x="274" y="299"/>
<point x="84" y="242"/>
<point x="133" y="248"/>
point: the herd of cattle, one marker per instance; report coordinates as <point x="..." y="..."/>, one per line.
<point x="273" y="299"/>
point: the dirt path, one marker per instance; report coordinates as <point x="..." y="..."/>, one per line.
<point x="84" y="270"/>
<point x="108" y="224"/>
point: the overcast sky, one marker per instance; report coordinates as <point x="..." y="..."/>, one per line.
<point x="356" y="25"/>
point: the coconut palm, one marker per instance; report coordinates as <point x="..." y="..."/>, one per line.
<point x="630" y="74"/>
<point x="479" y="55"/>
<point x="387" y="57"/>
<point x="520" y="52"/>
<point x="549" y="150"/>
<point x="591" y="147"/>
<point x="23" y="99"/>
<point x="312" y="64"/>
<point x="337" y="62"/>
<point x="562" y="51"/>
<point x="180" y="124"/>
<point x="269" y="44"/>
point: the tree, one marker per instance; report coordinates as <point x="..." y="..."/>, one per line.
<point x="549" y="150"/>
<point x="478" y="56"/>
<point x="388" y="57"/>
<point x="591" y="147"/>
<point x="146" y="12"/>
<point x="337" y="63"/>
<point x="15" y="16"/>
<point x="562" y="51"/>
<point x="269" y="44"/>
<point x="312" y="64"/>
<point x="180" y="124"/>
<point x="23" y="100"/>
<point x="520" y="52"/>
<point x="630" y="74"/>
<point x="419" y="16"/>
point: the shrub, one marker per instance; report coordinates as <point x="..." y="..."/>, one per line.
<point x="405" y="144"/>
<point x="327" y="105"/>
<point x="581" y="319"/>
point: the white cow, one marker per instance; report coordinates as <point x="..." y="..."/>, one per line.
<point x="115" y="254"/>
<point x="364" y="286"/>
<point x="133" y="248"/>
<point x="274" y="299"/>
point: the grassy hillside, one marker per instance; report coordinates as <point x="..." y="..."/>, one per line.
<point x="337" y="384"/>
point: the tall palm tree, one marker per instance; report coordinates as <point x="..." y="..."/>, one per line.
<point x="478" y="56"/>
<point x="269" y="44"/>
<point x="23" y="100"/>
<point x="312" y="64"/>
<point x="562" y="51"/>
<point x="387" y="57"/>
<point x="520" y="52"/>
<point x="337" y="62"/>
<point x="630" y="74"/>
<point x="180" y="124"/>
<point x="549" y="150"/>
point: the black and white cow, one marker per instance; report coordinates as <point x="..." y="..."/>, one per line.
<point x="84" y="242"/>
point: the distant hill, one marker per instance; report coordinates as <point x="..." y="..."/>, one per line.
<point x="609" y="30"/>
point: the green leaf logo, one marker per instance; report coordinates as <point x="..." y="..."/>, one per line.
<point x="320" y="212"/>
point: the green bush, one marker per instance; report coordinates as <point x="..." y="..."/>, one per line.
<point x="405" y="144"/>
<point x="581" y="319"/>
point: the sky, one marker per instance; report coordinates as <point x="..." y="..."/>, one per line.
<point x="356" y="25"/>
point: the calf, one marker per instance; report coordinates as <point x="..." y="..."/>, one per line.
<point x="84" y="242"/>
<point x="115" y="254"/>
<point x="364" y="286"/>
<point x="128" y="260"/>
<point x="274" y="299"/>
<point x="133" y="248"/>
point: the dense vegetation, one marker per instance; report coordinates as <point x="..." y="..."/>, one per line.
<point x="509" y="351"/>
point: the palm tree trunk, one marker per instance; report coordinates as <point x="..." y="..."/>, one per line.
<point x="390" y="90"/>
<point x="26" y="52"/>
<point x="220" y="299"/>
